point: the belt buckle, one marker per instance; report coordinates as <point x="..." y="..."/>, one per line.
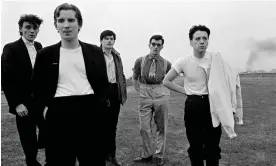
<point x="202" y="96"/>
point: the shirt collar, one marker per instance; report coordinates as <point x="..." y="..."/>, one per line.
<point x="207" y="56"/>
<point x="108" y="55"/>
<point x="153" y="57"/>
<point x="27" y="42"/>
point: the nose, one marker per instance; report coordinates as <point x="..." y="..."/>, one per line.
<point x="32" y="30"/>
<point x="202" y="41"/>
<point x="66" y="24"/>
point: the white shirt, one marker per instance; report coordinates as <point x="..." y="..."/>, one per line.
<point x="72" y="78"/>
<point x="31" y="50"/>
<point x="224" y="95"/>
<point x="196" y="73"/>
<point x="110" y="67"/>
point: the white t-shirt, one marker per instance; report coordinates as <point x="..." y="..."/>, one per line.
<point x="72" y="78"/>
<point x="196" y="73"/>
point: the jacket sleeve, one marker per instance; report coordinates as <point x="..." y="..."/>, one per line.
<point x="39" y="81"/>
<point x="9" y="83"/>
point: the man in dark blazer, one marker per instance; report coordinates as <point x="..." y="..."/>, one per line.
<point x="117" y="94"/>
<point x="17" y="68"/>
<point x="71" y="87"/>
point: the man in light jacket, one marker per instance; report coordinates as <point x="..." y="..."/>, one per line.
<point x="211" y="87"/>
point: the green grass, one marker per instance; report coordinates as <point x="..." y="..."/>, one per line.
<point x="254" y="146"/>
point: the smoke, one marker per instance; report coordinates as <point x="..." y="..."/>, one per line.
<point x="260" y="50"/>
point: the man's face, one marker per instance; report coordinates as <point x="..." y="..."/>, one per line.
<point x="200" y="41"/>
<point x="108" y="42"/>
<point x="67" y="25"/>
<point x="28" y="31"/>
<point x="155" y="46"/>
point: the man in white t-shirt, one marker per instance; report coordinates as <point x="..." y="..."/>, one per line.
<point x="202" y="136"/>
<point x="70" y="85"/>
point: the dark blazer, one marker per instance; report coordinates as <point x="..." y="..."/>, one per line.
<point x="17" y="73"/>
<point x="46" y="73"/>
<point x="120" y="77"/>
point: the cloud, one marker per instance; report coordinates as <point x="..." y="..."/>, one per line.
<point x="260" y="50"/>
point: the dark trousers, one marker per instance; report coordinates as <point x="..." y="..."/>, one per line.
<point x="42" y="135"/>
<point x="75" y="131"/>
<point x="112" y="114"/>
<point x="26" y="127"/>
<point x="202" y="136"/>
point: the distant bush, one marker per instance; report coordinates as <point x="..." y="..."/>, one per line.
<point x="129" y="81"/>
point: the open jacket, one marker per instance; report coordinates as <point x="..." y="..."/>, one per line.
<point x="16" y="73"/>
<point x="120" y="77"/>
<point x="224" y="95"/>
<point x="46" y="74"/>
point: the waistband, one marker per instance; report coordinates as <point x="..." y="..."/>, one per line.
<point x="198" y="96"/>
<point x="113" y="84"/>
<point x="74" y="97"/>
<point x="151" y="85"/>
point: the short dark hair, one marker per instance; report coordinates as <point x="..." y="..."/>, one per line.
<point x="32" y="19"/>
<point x="107" y="33"/>
<point x="67" y="6"/>
<point x="157" y="37"/>
<point x="198" y="28"/>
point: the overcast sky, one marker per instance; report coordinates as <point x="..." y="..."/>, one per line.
<point x="239" y="30"/>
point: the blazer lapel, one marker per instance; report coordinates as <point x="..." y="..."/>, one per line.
<point x="88" y="58"/>
<point x="25" y="54"/>
<point x="37" y="46"/>
<point x="56" y="54"/>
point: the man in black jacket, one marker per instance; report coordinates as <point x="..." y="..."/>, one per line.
<point x="117" y="95"/>
<point x="17" y="68"/>
<point x="71" y="86"/>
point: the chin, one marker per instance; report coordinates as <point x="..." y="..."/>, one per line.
<point x="68" y="38"/>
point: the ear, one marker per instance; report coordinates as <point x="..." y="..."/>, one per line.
<point x="161" y="48"/>
<point x="191" y="43"/>
<point x="149" y="45"/>
<point x="56" y="26"/>
<point x="20" y="29"/>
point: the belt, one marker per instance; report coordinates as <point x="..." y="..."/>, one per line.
<point x="198" y="96"/>
<point x="151" y="85"/>
<point x="113" y="84"/>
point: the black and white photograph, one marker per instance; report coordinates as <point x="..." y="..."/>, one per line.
<point x="138" y="82"/>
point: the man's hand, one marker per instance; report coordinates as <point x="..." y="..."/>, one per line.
<point x="21" y="110"/>
<point x="237" y="119"/>
<point x="136" y="85"/>
<point x="44" y="112"/>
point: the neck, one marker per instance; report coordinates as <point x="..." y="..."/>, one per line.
<point x="107" y="50"/>
<point x="154" y="55"/>
<point x="72" y="44"/>
<point x="199" y="54"/>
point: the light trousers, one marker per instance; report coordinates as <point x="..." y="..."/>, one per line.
<point x="154" y="104"/>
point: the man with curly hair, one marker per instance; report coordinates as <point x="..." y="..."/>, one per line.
<point x="17" y="61"/>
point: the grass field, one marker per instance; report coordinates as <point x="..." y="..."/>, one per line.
<point x="254" y="146"/>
